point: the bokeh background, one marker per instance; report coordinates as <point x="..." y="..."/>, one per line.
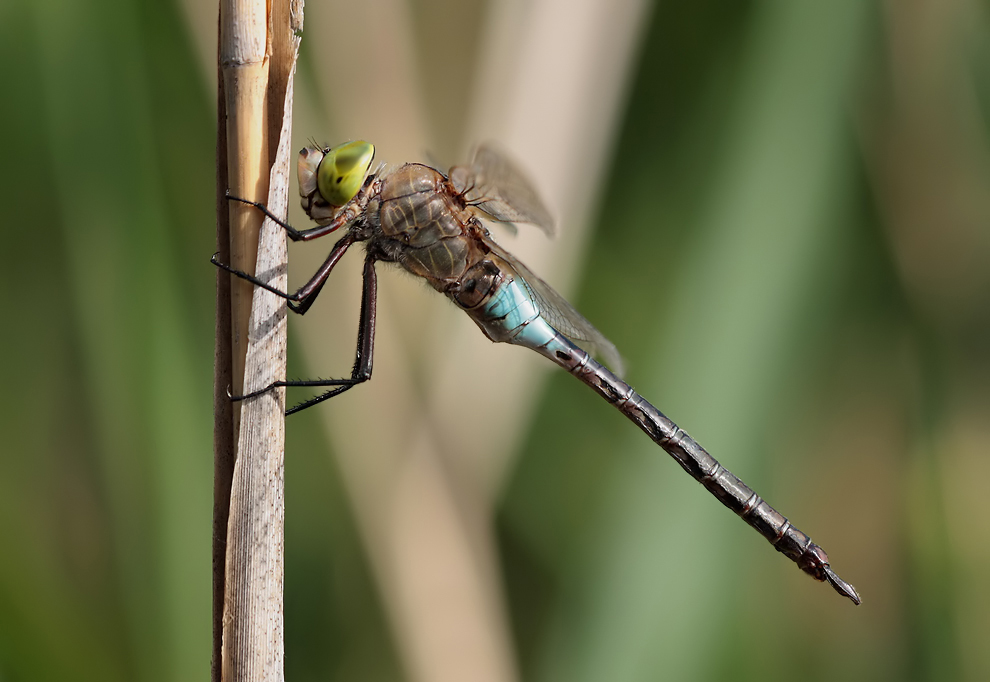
<point x="777" y="210"/>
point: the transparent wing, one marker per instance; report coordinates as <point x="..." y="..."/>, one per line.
<point x="497" y="187"/>
<point x="562" y="316"/>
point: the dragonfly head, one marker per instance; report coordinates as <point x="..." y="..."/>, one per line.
<point x="336" y="173"/>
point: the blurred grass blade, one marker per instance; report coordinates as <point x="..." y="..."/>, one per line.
<point x="149" y="424"/>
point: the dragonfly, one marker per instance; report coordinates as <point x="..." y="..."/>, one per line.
<point x="430" y="224"/>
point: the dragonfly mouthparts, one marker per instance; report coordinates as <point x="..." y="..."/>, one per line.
<point x="841" y="586"/>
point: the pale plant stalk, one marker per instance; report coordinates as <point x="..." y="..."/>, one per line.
<point x="257" y="61"/>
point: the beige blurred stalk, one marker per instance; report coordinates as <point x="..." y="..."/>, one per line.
<point x="425" y="445"/>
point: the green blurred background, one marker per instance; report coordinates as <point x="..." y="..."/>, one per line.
<point x="785" y="210"/>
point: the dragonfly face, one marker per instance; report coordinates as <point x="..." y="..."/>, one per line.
<point x="329" y="178"/>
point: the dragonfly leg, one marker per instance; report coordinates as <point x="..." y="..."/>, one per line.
<point x="293" y="232"/>
<point x="364" y="354"/>
<point x="350" y="211"/>
<point x="300" y="301"/>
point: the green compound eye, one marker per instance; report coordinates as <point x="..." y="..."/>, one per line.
<point x="342" y="171"/>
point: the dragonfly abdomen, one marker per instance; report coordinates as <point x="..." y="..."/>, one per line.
<point x="507" y="313"/>
<point x="694" y="459"/>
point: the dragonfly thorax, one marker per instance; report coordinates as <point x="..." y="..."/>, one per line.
<point x="430" y="231"/>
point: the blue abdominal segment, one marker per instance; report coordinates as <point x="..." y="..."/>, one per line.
<point x="511" y="316"/>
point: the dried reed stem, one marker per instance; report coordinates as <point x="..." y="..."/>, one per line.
<point x="257" y="61"/>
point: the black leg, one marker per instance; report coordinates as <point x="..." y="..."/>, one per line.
<point x="363" y="356"/>
<point x="350" y="211"/>
<point x="295" y="234"/>
<point x="300" y="301"/>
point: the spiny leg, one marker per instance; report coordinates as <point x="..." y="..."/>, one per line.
<point x="350" y="211"/>
<point x="295" y="234"/>
<point x="364" y="354"/>
<point x="300" y="301"/>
